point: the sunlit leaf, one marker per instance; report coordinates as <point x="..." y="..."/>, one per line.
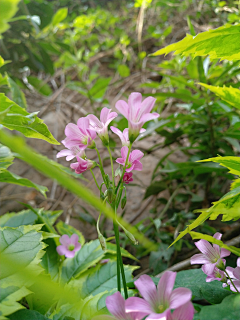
<point x="6" y="158"/>
<point x="17" y="95"/>
<point x="59" y="16"/>
<point x="8" y="10"/>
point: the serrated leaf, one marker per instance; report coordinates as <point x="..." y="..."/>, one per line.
<point x="64" y="228"/>
<point x="86" y="257"/>
<point x="17" y="219"/>
<point x="99" y="279"/>
<point x="9" y="177"/>
<point x="19" y="119"/>
<point x="228" y="94"/>
<point x="228" y="309"/>
<point x="17" y="95"/>
<point x="8" y="300"/>
<point x="221" y="43"/>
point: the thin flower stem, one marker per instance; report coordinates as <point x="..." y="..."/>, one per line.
<point x="124" y="168"/>
<point x="95" y="179"/>
<point x="101" y="165"/>
<point x="119" y="197"/>
<point x="118" y="266"/>
<point x="110" y="154"/>
<point x="231" y="281"/>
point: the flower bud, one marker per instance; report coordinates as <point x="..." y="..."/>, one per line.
<point x="123" y="202"/>
<point x="102" y="241"/>
<point x="110" y="194"/>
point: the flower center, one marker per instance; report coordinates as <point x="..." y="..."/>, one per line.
<point x="71" y="247"/>
<point x="161" y="308"/>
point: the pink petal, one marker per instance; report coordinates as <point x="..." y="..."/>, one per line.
<point x="147" y="105"/>
<point x="147" y="288"/>
<point x="104" y="114"/>
<point x="94" y="122"/>
<point x="179" y="297"/>
<point x="158" y="316"/>
<point x="236" y="273"/>
<point x="111" y="116"/>
<point x="142" y="130"/>
<point x="148" y="116"/>
<point x="69" y="254"/>
<point x="117" y="131"/>
<point x="230" y="271"/>
<point x="77" y="247"/>
<point x="135" y="155"/>
<point x="116" y="305"/>
<point x="217" y="236"/>
<point x="199" y="259"/>
<point x="238" y="262"/>
<point x="124" y="152"/>
<point x="137" y="165"/>
<point x="65" y="240"/>
<point x="122" y="107"/>
<point x="165" y="287"/>
<point x="185" y="312"/>
<point x="61" y="250"/>
<point x="120" y="161"/>
<point x="135" y="304"/>
<point x="130" y="169"/>
<point x="208" y="268"/>
<point x="73" y="133"/>
<point x="137" y="315"/>
<point x="224" y="253"/>
<point x="206" y="248"/>
<point x="74" y="238"/>
<point x="134" y="103"/>
<point x="64" y="153"/>
<point x="83" y="124"/>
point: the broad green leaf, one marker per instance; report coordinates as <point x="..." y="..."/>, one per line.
<point x="228" y="309"/>
<point x="50" y="215"/>
<point x="64" y="228"/>
<point x="197" y="235"/>
<point x="27" y="315"/>
<point x="123" y="70"/>
<point x="17" y="219"/>
<point x="17" y="95"/>
<point x="195" y="280"/>
<point x="235" y="184"/>
<point x="45" y="166"/>
<point x="6" y="158"/>
<point x="27" y="123"/>
<point x="221" y="43"/>
<point x="8" y="10"/>
<point x="3" y="80"/>
<point x="9" y="177"/>
<point x="112" y="249"/>
<point x="232" y="163"/>
<point x="24" y="245"/>
<point x="59" y="16"/>
<point x="40" y="86"/>
<point x="86" y="257"/>
<point x="99" y="279"/>
<point x="228" y="94"/>
<point x="99" y="88"/>
<point x="51" y="259"/>
<point x="8" y="300"/>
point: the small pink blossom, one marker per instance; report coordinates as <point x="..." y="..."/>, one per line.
<point x="82" y="165"/>
<point x="217" y="274"/>
<point x="234" y="274"/>
<point x="116" y="306"/>
<point x="101" y="127"/>
<point x="133" y="160"/>
<point x="69" y="246"/>
<point x="123" y="135"/>
<point x="70" y="153"/>
<point x="80" y="135"/>
<point x="185" y="312"/>
<point x="104" y="261"/>
<point x="127" y="178"/>
<point x="157" y="302"/>
<point x="137" y="112"/>
<point x="211" y="256"/>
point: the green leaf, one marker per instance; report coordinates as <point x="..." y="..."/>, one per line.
<point x="9" y="177"/>
<point x="111" y="248"/>
<point x="27" y="315"/>
<point x="228" y="309"/>
<point x="8" y="300"/>
<point x="86" y="257"/>
<point x="228" y="94"/>
<point x="51" y="259"/>
<point x="99" y="279"/>
<point x="99" y="88"/>
<point x="27" y="123"/>
<point x="232" y="163"/>
<point x="17" y="219"/>
<point x="17" y="95"/>
<point x="64" y="228"/>
<point x="8" y="10"/>
<point x="221" y="43"/>
<point x="6" y="158"/>
<point x="40" y="86"/>
<point x="59" y="16"/>
<point x="123" y="70"/>
<point x="155" y="188"/>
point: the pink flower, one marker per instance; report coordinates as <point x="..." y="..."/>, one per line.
<point x="217" y="274"/>
<point x="82" y="165"/>
<point x="80" y="135"/>
<point x="136" y="112"/>
<point x="127" y="177"/>
<point x="101" y="127"/>
<point x="185" y="312"/>
<point x="116" y="305"/>
<point x="158" y="302"/>
<point x="70" y="153"/>
<point x="68" y="245"/>
<point x="133" y="160"/>
<point x="211" y="256"/>
<point x="124" y="135"/>
<point x="234" y="274"/>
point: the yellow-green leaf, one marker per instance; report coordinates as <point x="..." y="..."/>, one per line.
<point x="8" y="10"/>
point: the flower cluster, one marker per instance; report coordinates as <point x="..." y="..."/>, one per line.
<point x="156" y="303"/>
<point x="81" y="136"/>
<point x="214" y="264"/>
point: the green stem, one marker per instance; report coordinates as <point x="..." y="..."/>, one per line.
<point x="118" y="266"/>
<point x="119" y="197"/>
<point x="124" y="168"/>
<point x="110" y="154"/>
<point x="101" y="165"/>
<point x="231" y="281"/>
<point x="95" y="179"/>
